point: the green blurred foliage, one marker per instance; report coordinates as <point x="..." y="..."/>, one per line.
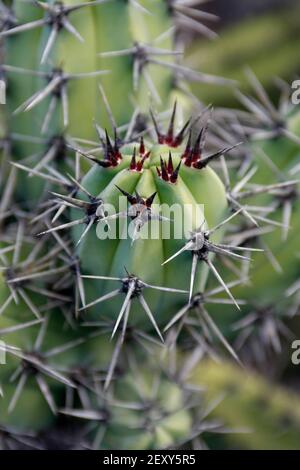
<point x="268" y="44"/>
<point x="262" y="416"/>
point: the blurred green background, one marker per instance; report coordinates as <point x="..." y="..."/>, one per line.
<point x="261" y="34"/>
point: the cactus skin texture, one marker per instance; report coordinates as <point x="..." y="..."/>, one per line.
<point x="104" y="338"/>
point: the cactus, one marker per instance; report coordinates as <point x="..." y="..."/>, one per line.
<point x="100" y="139"/>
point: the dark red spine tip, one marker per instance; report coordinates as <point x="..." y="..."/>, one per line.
<point x="170" y="164"/>
<point x="164" y="173"/>
<point x="174" y="175"/>
<point x="142" y="146"/>
<point x="140" y="164"/>
<point x="133" y="161"/>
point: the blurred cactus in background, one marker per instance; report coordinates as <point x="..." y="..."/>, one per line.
<point x="107" y="333"/>
<point x="267" y="43"/>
